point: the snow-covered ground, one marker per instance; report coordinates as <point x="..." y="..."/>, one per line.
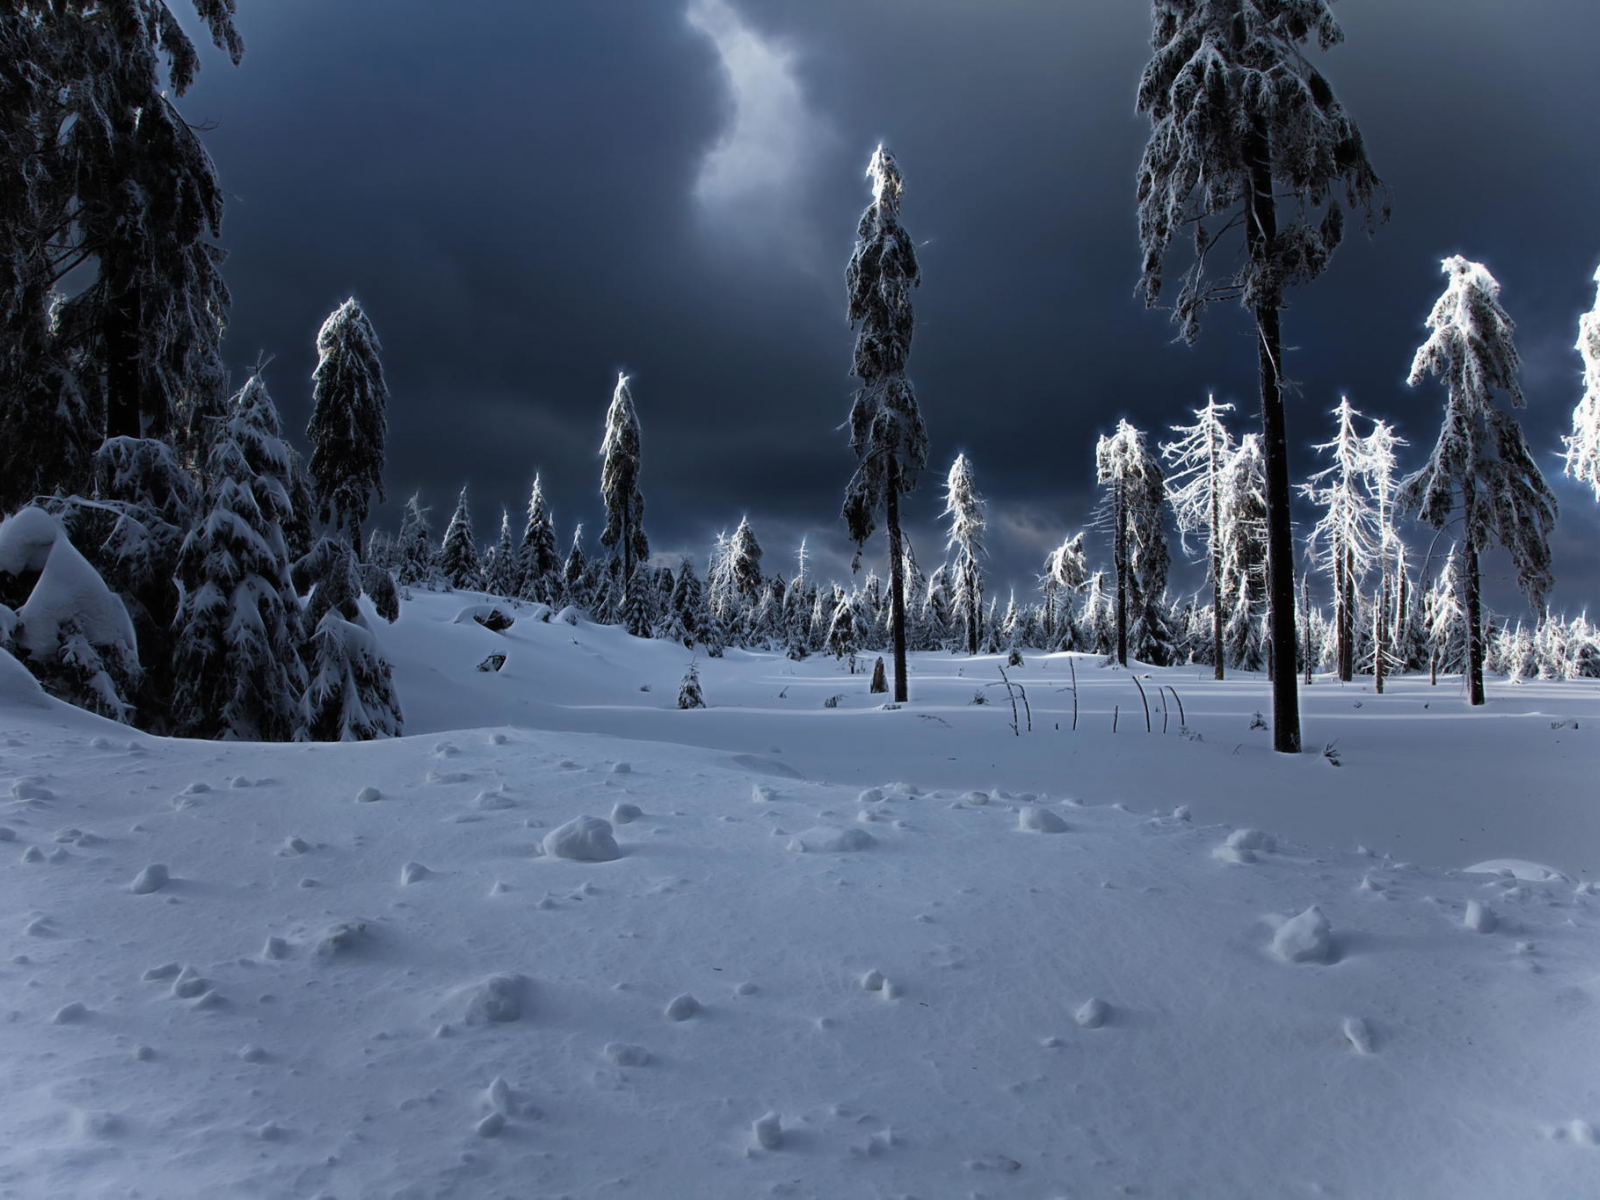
<point x="368" y="974"/>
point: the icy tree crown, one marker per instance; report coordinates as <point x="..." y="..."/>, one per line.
<point x="1227" y="89"/>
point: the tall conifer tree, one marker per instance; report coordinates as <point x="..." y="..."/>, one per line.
<point x="624" y="533"/>
<point x="237" y="659"/>
<point x="965" y="510"/>
<point x="886" y="429"/>
<point x="1481" y="465"/>
<point x="538" y="560"/>
<point x="349" y="420"/>
<point x="1238" y="118"/>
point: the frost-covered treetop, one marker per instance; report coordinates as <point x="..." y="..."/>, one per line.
<point x="964" y="508"/>
<point x="1471" y="347"/>
<point x="886" y="182"/>
<point x="1227" y="74"/>
<point x="1583" y="447"/>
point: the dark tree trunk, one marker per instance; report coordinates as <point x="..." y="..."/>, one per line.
<point x="1380" y="635"/>
<point x="1261" y="231"/>
<point x="1344" y="579"/>
<point x="897" y="580"/>
<point x="1305" y="616"/>
<point x="120" y="331"/>
<point x="1474" y="628"/>
<point x="1119" y="550"/>
<point x="1216" y="566"/>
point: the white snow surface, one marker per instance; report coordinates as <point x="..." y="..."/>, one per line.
<point x="304" y="1024"/>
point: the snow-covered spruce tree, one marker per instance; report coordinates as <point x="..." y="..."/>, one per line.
<point x="1195" y="460"/>
<point x="350" y="694"/>
<point x="1445" y="622"/>
<point x="1240" y="118"/>
<point x="130" y="528"/>
<point x="458" y="553"/>
<point x="501" y="573"/>
<point x="1097" y="618"/>
<point x="143" y="209"/>
<point x="916" y="585"/>
<point x="936" y="608"/>
<point x="1243" y="554"/>
<point x="765" y="629"/>
<point x="842" y="637"/>
<point x="237" y="667"/>
<point x="1481" y="465"/>
<point x="744" y="564"/>
<point x="1378" y="468"/>
<point x="575" y="573"/>
<point x="1345" y="543"/>
<point x="886" y="429"/>
<point x="624" y="533"/>
<point x="799" y="597"/>
<point x="689" y="693"/>
<point x="299" y="529"/>
<point x="50" y="431"/>
<point x="722" y="601"/>
<point x="1065" y="572"/>
<point x="1583" y="447"/>
<point x="538" y="559"/>
<point x="965" y="510"/>
<point x="639" y="602"/>
<point x="872" y="615"/>
<point x="1408" y="639"/>
<point x="1134" y="495"/>
<point x="68" y="628"/>
<point x="418" y="562"/>
<point x="349" y="420"/>
<point x="682" y="615"/>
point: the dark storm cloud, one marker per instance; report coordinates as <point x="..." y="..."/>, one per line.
<point x="522" y="197"/>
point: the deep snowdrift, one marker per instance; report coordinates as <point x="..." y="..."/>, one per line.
<point x="362" y="974"/>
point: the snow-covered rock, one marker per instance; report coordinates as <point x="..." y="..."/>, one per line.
<point x="767" y="1131"/>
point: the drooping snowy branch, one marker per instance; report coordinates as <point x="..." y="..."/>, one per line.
<point x="1583" y="446"/>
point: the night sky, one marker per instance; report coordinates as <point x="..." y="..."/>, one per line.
<point x="530" y="195"/>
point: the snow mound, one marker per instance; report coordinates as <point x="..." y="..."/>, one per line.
<point x="1034" y="819"/>
<point x="583" y="839"/>
<point x="764" y="766"/>
<point x="829" y="839"/>
<point x="626" y="1054"/>
<point x="1517" y="868"/>
<point x="152" y="879"/>
<point x="1358" y="1034"/>
<point x="26" y="539"/>
<point x="497" y="998"/>
<point x="1092" y="1013"/>
<point x="625" y="814"/>
<point x="17" y="686"/>
<point x="1304" y="938"/>
<point x="681" y="1008"/>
